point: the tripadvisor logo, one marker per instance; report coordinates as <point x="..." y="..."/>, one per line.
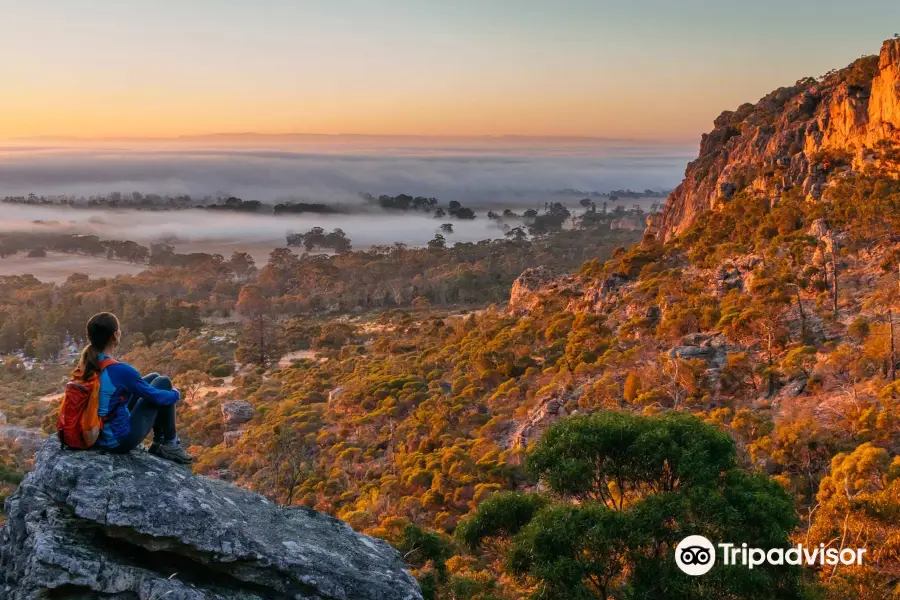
<point x="696" y="555"/>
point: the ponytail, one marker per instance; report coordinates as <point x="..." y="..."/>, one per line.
<point x="90" y="362"/>
<point x="101" y="330"/>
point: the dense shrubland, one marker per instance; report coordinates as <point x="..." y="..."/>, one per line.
<point x="771" y="322"/>
<point x="753" y="356"/>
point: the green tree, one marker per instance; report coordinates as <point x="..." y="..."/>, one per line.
<point x="621" y="491"/>
<point x="427" y="553"/>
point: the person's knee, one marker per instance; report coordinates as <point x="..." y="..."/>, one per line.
<point x="151" y="377"/>
<point x="162" y="382"/>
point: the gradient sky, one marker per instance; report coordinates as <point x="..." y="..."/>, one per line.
<point x="656" y="69"/>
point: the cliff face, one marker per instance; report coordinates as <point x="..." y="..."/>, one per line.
<point x="87" y="525"/>
<point x="792" y="137"/>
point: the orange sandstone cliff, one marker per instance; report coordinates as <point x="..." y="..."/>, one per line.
<point x="794" y="136"/>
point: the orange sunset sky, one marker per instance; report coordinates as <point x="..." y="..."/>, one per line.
<point x="649" y="69"/>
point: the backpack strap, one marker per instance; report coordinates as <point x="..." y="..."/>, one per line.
<point x="108" y="362"/>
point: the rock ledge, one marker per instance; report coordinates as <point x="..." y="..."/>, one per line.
<point x="87" y="525"/>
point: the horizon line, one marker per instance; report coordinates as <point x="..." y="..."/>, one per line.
<point x="251" y="135"/>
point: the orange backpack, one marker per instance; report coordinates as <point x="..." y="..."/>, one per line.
<point x="79" y="425"/>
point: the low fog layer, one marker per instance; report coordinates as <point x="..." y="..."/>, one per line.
<point x="202" y="230"/>
<point x="481" y="173"/>
<point x="477" y="174"/>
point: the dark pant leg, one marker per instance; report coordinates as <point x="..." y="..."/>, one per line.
<point x="146" y="416"/>
<point x="164" y="426"/>
<point x="134" y="397"/>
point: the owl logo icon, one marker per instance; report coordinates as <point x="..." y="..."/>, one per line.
<point x="695" y="555"/>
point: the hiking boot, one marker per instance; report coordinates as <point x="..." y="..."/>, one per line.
<point x="174" y="452"/>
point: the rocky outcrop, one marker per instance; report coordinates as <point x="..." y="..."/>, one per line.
<point x="793" y="137"/>
<point x="710" y="349"/>
<point x="88" y="525"/>
<point x="335" y="394"/>
<point x="612" y="283"/>
<point x="550" y="410"/>
<point x="29" y="440"/>
<point x="794" y="387"/>
<point x="524" y="295"/>
<point x="735" y="274"/>
<point x="235" y="414"/>
<point x="819" y="229"/>
<point x="230" y="438"/>
<point x="884" y="105"/>
<point x="629" y="223"/>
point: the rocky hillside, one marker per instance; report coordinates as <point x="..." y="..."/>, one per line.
<point x="90" y="525"/>
<point x="795" y="136"/>
<point x="772" y="317"/>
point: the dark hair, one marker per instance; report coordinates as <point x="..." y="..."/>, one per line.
<point x="101" y="329"/>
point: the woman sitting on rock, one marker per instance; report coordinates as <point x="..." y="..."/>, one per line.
<point x="129" y="405"/>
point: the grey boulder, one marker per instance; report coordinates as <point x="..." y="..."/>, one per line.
<point x="235" y="414"/>
<point x="134" y="527"/>
<point x="28" y="439"/>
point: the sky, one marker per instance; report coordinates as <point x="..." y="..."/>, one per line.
<point x="640" y="69"/>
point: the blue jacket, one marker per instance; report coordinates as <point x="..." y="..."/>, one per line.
<point x="118" y="383"/>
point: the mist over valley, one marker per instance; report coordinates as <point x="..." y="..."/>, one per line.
<point x="59" y="186"/>
<point x="484" y="171"/>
